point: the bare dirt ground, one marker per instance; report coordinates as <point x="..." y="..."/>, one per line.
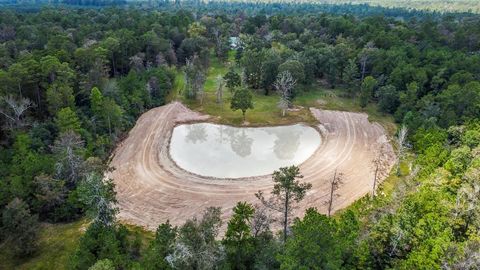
<point x="151" y="189"/>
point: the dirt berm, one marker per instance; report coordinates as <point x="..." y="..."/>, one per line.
<point x="151" y="189"/>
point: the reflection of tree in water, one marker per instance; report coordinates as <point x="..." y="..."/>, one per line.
<point x="196" y="133"/>
<point x="287" y="142"/>
<point x="221" y="130"/>
<point x="240" y="143"/>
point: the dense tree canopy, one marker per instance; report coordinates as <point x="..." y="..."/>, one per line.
<point x="73" y="81"/>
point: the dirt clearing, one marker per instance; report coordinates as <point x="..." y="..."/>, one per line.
<point x="151" y="189"/>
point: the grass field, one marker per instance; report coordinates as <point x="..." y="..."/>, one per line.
<point x="266" y="111"/>
<point x="56" y="243"/>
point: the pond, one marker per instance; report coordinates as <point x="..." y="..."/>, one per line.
<point x="234" y="152"/>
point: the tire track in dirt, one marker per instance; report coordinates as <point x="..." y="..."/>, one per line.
<point x="151" y="189"/>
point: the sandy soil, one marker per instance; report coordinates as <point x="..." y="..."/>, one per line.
<point x="151" y="189"/>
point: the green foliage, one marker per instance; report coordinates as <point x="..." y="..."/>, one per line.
<point x="96" y="101"/>
<point x="106" y="111"/>
<point x="252" y="63"/>
<point x="366" y="90"/>
<point x="25" y="165"/>
<point x="295" y="68"/>
<point x="101" y="243"/>
<point x="104" y="264"/>
<point x="313" y="245"/>
<point x="59" y="96"/>
<point x="287" y="190"/>
<point x="194" y="78"/>
<point x="350" y="77"/>
<point x="242" y="100"/>
<point x="160" y="247"/>
<point x="458" y="102"/>
<point x="387" y="98"/>
<point x="67" y="120"/>
<point x="232" y="80"/>
<point x="238" y="240"/>
<point x="422" y="70"/>
<point x="195" y="246"/>
<point x="19" y="228"/>
<point x="459" y="159"/>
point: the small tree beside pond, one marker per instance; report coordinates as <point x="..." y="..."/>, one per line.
<point x="242" y="100"/>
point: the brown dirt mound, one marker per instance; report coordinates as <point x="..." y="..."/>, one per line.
<point x="151" y="189"/>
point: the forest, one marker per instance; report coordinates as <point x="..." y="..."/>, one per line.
<point x="74" y="81"/>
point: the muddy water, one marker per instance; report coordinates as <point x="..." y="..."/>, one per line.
<point x="234" y="152"/>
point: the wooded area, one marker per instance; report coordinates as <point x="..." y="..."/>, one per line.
<point x="74" y="81"/>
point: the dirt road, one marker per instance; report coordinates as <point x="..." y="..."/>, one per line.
<point x="151" y="189"/>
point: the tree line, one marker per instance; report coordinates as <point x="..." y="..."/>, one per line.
<point x="73" y="81"/>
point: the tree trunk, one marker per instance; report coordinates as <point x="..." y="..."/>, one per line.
<point x="364" y="64"/>
<point x="39" y="101"/>
<point x="243" y="112"/>
<point x="398" y="166"/>
<point x="375" y="181"/>
<point x="285" y="218"/>
<point x="114" y="66"/>
<point x="330" y="202"/>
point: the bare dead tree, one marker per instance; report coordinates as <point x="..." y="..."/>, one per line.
<point x="195" y="246"/>
<point x="14" y="109"/>
<point x="284" y="85"/>
<point x="99" y="196"/>
<point x="194" y="79"/>
<point x="69" y="163"/>
<point x="160" y="60"/>
<point x="49" y="191"/>
<point x="401" y="140"/>
<point x="261" y="220"/>
<point x="466" y="258"/>
<point x="219" y="43"/>
<point x="379" y="162"/>
<point x="467" y="206"/>
<point x="136" y="61"/>
<point x="335" y="184"/>
<point x="365" y="56"/>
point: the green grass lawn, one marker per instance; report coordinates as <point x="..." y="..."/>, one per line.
<point x="265" y="110"/>
<point x="56" y="243"/>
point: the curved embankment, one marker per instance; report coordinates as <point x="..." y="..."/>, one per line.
<point x="151" y="189"/>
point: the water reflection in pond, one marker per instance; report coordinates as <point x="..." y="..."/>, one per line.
<point x="233" y="152"/>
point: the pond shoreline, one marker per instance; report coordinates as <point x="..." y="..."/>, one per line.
<point x="152" y="189"/>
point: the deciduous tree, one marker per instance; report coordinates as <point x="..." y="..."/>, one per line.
<point x="232" y="80"/>
<point x="14" y="110"/>
<point x="242" y="100"/>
